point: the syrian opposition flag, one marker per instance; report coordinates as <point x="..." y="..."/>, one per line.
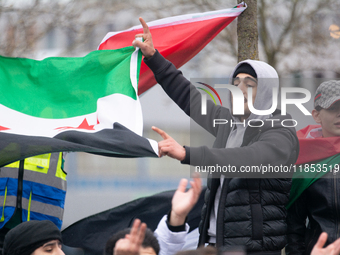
<point x="72" y="104"/>
<point x="92" y="233"/>
<point x="177" y="38"/>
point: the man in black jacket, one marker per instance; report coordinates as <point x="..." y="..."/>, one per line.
<point x="315" y="193"/>
<point x="238" y="211"/>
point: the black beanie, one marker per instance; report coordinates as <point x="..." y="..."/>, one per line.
<point x="245" y="68"/>
<point x="28" y="236"/>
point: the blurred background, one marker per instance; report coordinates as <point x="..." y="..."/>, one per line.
<point x="299" y="38"/>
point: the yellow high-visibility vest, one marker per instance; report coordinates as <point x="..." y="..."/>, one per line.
<point x="37" y="186"/>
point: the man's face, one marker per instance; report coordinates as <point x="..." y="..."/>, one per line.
<point x="329" y="120"/>
<point x="244" y="81"/>
<point x="50" y="248"/>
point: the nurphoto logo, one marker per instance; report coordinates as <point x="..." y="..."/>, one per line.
<point x="238" y="103"/>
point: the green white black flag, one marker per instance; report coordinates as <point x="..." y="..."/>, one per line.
<point x="74" y="100"/>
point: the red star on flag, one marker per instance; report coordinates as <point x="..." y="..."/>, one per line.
<point x="3" y="128"/>
<point x="83" y="125"/>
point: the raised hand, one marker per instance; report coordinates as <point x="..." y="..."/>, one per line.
<point x="332" y="249"/>
<point x="183" y="201"/>
<point x="147" y="45"/>
<point x="169" y="147"/>
<point x="131" y="244"/>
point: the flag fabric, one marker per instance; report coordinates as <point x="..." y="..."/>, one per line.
<point x="92" y="233"/>
<point x="302" y="180"/>
<point x="314" y="147"/>
<point x="177" y="38"/>
<point x="72" y="104"/>
<point x="323" y="151"/>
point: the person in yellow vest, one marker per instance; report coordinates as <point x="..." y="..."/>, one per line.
<point x="32" y="189"/>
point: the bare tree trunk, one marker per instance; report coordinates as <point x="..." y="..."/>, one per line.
<point x="247" y="34"/>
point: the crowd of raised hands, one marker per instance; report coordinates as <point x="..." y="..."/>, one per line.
<point x="182" y="203"/>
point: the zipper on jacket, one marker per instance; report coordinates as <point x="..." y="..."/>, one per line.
<point x="20" y="184"/>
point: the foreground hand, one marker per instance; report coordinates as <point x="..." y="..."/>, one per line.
<point x="131" y="244"/>
<point x="332" y="249"/>
<point x="169" y="147"/>
<point x="147" y="45"/>
<point x="182" y="202"/>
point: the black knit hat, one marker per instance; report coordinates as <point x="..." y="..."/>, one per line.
<point x="28" y="236"/>
<point x="245" y="68"/>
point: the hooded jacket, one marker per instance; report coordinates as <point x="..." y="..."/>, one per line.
<point x="251" y="212"/>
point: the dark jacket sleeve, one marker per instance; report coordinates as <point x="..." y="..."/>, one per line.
<point x="296" y="221"/>
<point x="182" y="92"/>
<point x="271" y="147"/>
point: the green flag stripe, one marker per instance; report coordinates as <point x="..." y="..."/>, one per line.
<point x="302" y="179"/>
<point x="65" y="87"/>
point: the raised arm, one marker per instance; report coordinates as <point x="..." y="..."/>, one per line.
<point x="183" y="201"/>
<point x="146" y="46"/>
<point x="172" y="230"/>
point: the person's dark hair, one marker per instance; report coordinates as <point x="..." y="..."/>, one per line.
<point x="149" y="241"/>
<point x="209" y="250"/>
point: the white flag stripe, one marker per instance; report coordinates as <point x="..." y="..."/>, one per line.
<point x="183" y="19"/>
<point x="110" y="109"/>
